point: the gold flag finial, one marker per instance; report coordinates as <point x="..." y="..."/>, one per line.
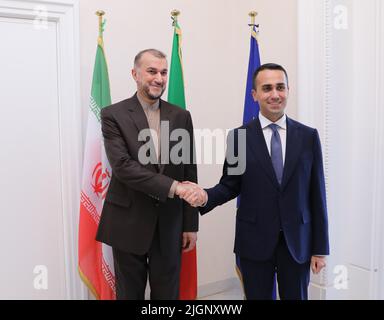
<point x="174" y="13"/>
<point x="253" y="15"/>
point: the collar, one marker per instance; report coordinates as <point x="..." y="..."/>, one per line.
<point x="151" y="107"/>
<point x="264" y="122"/>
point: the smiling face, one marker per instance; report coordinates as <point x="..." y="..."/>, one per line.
<point x="150" y="75"/>
<point x="272" y="93"/>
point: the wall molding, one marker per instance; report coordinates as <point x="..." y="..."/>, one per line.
<point x="313" y="82"/>
<point x="377" y="277"/>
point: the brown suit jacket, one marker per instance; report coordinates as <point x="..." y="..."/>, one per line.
<point x="137" y="198"/>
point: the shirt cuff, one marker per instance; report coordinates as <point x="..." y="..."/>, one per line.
<point x="172" y="190"/>
<point x="205" y="203"/>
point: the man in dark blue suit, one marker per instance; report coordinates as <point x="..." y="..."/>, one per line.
<point x="281" y="222"/>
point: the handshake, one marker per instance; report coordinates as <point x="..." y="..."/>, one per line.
<point x="191" y="193"/>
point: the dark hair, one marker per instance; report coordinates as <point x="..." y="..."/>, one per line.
<point x="154" y="52"/>
<point x="268" y="66"/>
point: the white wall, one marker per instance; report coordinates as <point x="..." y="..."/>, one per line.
<point x="215" y="52"/>
<point x="341" y="95"/>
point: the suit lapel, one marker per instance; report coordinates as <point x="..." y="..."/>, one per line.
<point x="292" y="150"/>
<point x="166" y="113"/>
<point x="166" y="119"/>
<point x="259" y="147"/>
<point x="138" y="116"/>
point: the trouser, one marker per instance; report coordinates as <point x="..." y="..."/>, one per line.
<point x="132" y="271"/>
<point x="292" y="277"/>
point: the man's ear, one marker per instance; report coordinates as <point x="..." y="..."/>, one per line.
<point x="254" y="94"/>
<point x="134" y="74"/>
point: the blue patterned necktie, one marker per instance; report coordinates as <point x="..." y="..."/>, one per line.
<point x="276" y="152"/>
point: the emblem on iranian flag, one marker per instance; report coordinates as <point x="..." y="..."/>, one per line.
<point x="100" y="180"/>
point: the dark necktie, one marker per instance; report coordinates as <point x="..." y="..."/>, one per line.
<point x="276" y="152"/>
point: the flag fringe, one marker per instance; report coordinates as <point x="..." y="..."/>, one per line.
<point x="240" y="275"/>
<point x="88" y="284"/>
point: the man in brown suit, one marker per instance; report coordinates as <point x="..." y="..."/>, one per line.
<point x="143" y="219"/>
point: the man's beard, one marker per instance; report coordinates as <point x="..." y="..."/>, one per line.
<point x="151" y="96"/>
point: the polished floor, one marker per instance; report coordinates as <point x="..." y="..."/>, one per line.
<point x="235" y="292"/>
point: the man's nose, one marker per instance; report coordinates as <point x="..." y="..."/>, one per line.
<point x="158" y="78"/>
<point x="275" y="94"/>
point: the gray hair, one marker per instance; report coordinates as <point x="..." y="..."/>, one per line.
<point x="154" y="52"/>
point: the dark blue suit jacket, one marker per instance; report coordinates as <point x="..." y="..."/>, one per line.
<point x="297" y="207"/>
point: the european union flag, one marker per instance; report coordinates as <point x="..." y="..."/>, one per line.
<point x="251" y="107"/>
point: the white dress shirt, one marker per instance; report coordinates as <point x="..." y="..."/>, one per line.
<point x="282" y="129"/>
<point x="267" y="131"/>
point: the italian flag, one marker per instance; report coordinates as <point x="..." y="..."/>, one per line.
<point x="95" y="258"/>
<point x="188" y="275"/>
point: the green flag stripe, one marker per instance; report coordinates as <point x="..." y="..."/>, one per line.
<point x="101" y="96"/>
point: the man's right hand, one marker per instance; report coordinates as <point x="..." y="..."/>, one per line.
<point x="192" y="193"/>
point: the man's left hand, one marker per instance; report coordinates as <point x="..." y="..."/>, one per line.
<point x="317" y="263"/>
<point x="189" y="241"/>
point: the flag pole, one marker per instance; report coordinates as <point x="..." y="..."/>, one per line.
<point x="100" y="14"/>
<point x="253" y="25"/>
<point x="174" y="15"/>
<point x="253" y="15"/>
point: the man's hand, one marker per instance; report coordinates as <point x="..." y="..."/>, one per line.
<point x="317" y="263"/>
<point x="192" y="193"/>
<point x="183" y="189"/>
<point x="189" y="241"/>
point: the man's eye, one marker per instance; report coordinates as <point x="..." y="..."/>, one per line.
<point x="164" y="73"/>
<point x="281" y="88"/>
<point x="152" y="72"/>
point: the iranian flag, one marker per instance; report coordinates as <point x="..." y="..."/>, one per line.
<point x="188" y="275"/>
<point x="95" y="258"/>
